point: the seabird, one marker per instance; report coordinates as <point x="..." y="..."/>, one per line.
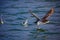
<point x="44" y="20"/>
<point x="1" y="21"/>
<point x="25" y="23"/>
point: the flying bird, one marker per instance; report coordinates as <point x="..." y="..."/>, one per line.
<point x="25" y="23"/>
<point x="44" y="20"/>
<point x="1" y="20"/>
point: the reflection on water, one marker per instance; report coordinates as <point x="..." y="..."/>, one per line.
<point x="16" y="11"/>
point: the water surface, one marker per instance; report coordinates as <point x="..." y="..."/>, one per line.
<point x="14" y="12"/>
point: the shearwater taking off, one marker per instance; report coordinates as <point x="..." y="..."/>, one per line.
<point x="25" y="23"/>
<point x="1" y="20"/>
<point x="44" y="20"/>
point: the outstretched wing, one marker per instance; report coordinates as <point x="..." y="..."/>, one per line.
<point x="34" y="15"/>
<point x="48" y="14"/>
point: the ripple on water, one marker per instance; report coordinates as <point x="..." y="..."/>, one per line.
<point x="20" y="18"/>
<point x="22" y="12"/>
<point x="18" y="30"/>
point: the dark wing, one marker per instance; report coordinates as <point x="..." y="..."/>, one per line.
<point x="34" y="15"/>
<point x="48" y="14"/>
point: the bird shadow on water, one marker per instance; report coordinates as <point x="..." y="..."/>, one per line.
<point x="37" y="34"/>
<point x="40" y="34"/>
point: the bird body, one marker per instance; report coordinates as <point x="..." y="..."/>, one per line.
<point x="39" y="22"/>
<point x="25" y="23"/>
<point x="2" y="21"/>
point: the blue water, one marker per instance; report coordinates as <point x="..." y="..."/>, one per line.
<point x="14" y="12"/>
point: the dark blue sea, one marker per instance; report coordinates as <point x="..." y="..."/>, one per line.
<point x="14" y="12"/>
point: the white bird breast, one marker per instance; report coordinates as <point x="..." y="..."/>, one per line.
<point x="40" y="23"/>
